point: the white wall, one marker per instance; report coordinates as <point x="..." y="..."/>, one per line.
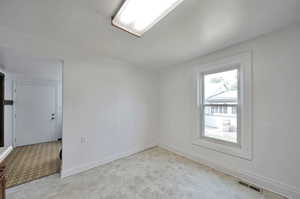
<point x="276" y="69"/>
<point x="110" y="108"/>
<point x="21" y="66"/>
<point x="10" y="79"/>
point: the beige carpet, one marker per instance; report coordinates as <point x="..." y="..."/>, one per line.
<point x="152" y="174"/>
<point x="31" y="162"/>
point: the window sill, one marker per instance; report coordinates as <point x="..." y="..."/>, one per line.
<point x="228" y="149"/>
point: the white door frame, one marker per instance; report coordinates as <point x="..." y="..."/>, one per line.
<point x="33" y="82"/>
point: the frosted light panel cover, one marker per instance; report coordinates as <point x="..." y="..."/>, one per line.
<point x="138" y="16"/>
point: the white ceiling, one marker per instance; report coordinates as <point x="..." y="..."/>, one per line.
<point x="16" y="63"/>
<point x="194" y="28"/>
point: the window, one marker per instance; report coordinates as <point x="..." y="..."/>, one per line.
<point x="233" y="110"/>
<point x="224" y="106"/>
<point x="220" y="91"/>
<point x="225" y="109"/>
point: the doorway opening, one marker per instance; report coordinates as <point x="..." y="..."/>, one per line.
<point x="33" y="122"/>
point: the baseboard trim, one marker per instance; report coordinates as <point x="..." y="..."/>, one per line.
<point x="258" y="180"/>
<point x="88" y="166"/>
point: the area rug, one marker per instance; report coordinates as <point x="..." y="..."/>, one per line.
<point x="27" y="163"/>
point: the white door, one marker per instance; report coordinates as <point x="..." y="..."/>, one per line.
<point x="35" y="109"/>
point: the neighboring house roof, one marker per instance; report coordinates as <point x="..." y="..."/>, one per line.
<point x="223" y="97"/>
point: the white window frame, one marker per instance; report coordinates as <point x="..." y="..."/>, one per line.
<point x="243" y="148"/>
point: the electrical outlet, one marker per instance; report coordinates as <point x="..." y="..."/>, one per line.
<point x="83" y="140"/>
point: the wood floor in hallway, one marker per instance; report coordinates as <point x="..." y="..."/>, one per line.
<point x="27" y="163"/>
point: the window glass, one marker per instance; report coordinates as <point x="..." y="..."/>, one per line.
<point x="221" y="95"/>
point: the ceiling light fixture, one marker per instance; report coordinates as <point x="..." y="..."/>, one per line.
<point x="138" y="16"/>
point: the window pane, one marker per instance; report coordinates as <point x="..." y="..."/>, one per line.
<point x="221" y="126"/>
<point x="220" y="105"/>
<point x="221" y="87"/>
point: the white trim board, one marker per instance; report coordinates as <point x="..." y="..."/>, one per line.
<point x="106" y="160"/>
<point x="258" y="180"/>
<point x="5" y="152"/>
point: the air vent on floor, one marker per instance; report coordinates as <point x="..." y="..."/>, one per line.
<point x="251" y="186"/>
